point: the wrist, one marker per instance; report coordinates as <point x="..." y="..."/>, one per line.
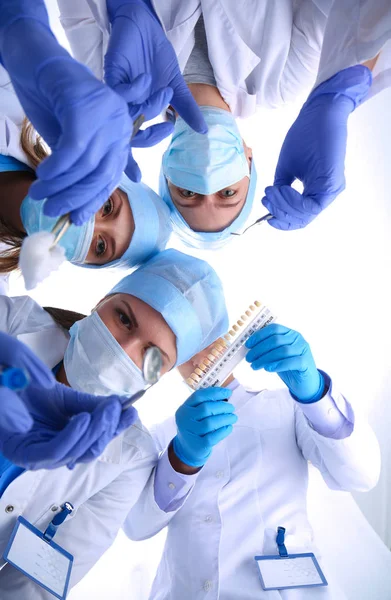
<point x="315" y="395"/>
<point x="187" y="461"/>
<point x="178" y="465"/>
<point x="125" y="8"/>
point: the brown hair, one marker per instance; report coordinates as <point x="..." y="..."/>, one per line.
<point x="34" y="148"/>
<point x="64" y="318"/>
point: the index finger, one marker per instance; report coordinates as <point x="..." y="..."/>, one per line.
<point x="208" y="395"/>
<point x="265" y="333"/>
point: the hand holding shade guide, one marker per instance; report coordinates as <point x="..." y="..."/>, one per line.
<point x="230" y="350"/>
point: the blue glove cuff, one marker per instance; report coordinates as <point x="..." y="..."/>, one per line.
<point x="323" y="388"/>
<point x="191" y="463"/>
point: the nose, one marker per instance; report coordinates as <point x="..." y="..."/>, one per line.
<point x="102" y="227"/>
<point x="134" y="346"/>
<point x="208" y="200"/>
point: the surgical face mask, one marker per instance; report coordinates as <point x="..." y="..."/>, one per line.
<point x="76" y="241"/>
<point x="206" y="163"/>
<point x="95" y="362"/>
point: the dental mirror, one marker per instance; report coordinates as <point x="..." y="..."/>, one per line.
<point x="152" y="366"/>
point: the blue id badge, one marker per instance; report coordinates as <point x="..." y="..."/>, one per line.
<point x="285" y="571"/>
<point x="35" y="555"/>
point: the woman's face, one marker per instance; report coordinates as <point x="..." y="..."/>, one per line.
<point x="212" y="212"/>
<point x="136" y="326"/>
<point x="113" y="231"/>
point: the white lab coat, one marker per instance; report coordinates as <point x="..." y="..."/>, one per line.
<point x="102" y="492"/>
<point x="11" y="119"/>
<point x="254" y="481"/>
<point x="262" y="53"/>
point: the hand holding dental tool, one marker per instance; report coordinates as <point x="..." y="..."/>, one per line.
<point x="48" y="425"/>
<point x="281" y="350"/>
<point x="41" y="253"/>
<point x="314" y="151"/>
<point x="138" y="45"/>
<point x="85" y="123"/>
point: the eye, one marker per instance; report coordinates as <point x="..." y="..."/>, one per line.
<point x="228" y="193"/>
<point x="100" y="247"/>
<point x="187" y="193"/>
<point x="107" y="208"/>
<point x="124" y="319"/>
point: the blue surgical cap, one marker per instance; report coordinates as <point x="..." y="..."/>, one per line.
<point x="188" y="294"/>
<point x="76" y="241"/>
<point x="208" y="240"/>
<point x="152" y="227"/>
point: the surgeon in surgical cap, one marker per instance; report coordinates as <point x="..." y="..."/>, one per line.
<point x="174" y="302"/>
<point x="132" y="225"/>
<point x="208" y="181"/>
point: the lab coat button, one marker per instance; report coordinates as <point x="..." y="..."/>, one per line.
<point x="208" y="519"/>
<point x="9" y="508"/>
<point x="219" y="474"/>
<point x="54" y="508"/>
<point x="171" y="486"/>
<point x="207" y="586"/>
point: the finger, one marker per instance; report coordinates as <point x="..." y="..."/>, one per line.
<point x="132" y="92"/>
<point x="152" y="135"/>
<point x="265" y="333"/>
<point x="292" y="363"/>
<point x="132" y="169"/>
<point x="15" y="418"/>
<point x="278" y="355"/>
<point x="213" y="423"/>
<point x="215" y="437"/>
<point x="91" y="160"/>
<point x="87" y="196"/>
<point x="272" y="343"/>
<point x="282" y="220"/>
<point x="207" y="409"/>
<point x="39" y="452"/>
<point x="101" y="430"/>
<point x="128" y="418"/>
<point x="186" y="106"/>
<point x="282" y="175"/>
<point x="154" y="105"/>
<point x="213" y="393"/>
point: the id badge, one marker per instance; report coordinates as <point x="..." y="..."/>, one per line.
<point x="292" y="571"/>
<point x="39" y="558"/>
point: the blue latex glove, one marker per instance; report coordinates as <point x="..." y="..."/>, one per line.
<point x="49" y="425"/>
<point x="203" y="421"/>
<point x="284" y="351"/>
<point x="314" y="151"/>
<point x="138" y="45"/>
<point x="86" y="124"/>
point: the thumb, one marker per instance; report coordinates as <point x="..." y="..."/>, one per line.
<point x="14" y="416"/>
<point x="283" y="175"/>
<point x="136" y="91"/>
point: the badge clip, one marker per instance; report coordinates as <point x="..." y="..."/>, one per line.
<point x="51" y="530"/>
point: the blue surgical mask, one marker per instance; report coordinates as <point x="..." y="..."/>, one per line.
<point x="76" y="241"/>
<point x="206" y="163"/>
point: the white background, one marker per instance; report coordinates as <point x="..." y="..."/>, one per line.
<point x="330" y="281"/>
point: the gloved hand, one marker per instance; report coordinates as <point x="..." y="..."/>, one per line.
<point x="203" y="421"/>
<point x="139" y="45"/>
<point x="280" y="350"/>
<point x="54" y="425"/>
<point x="85" y="123"/>
<point x="314" y="151"/>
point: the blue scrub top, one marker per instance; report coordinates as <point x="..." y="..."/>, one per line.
<point x="9" y="163"/>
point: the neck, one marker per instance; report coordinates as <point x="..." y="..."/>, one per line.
<point x="207" y="95"/>
<point x="62" y="376"/>
<point x="14" y="187"/>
